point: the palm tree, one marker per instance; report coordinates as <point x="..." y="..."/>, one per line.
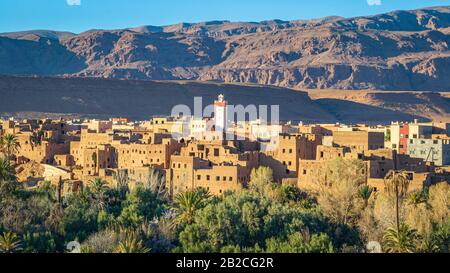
<point x="122" y="180"/>
<point x="9" y="145"/>
<point x="9" y="243"/>
<point x="365" y="192"/>
<point x="397" y="183"/>
<point x="188" y="203"/>
<point x="98" y="188"/>
<point x="5" y="170"/>
<point x="131" y="244"/>
<point x="98" y="185"/>
<point x="403" y="240"/>
<point x="417" y="197"/>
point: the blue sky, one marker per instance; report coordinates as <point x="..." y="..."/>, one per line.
<point x="81" y="15"/>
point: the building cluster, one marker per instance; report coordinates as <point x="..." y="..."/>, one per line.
<point x="192" y="153"/>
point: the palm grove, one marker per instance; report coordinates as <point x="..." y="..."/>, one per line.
<point x="343" y="214"/>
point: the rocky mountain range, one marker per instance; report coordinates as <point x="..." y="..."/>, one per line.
<point x="401" y="50"/>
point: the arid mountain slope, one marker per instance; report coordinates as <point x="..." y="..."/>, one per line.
<point x="402" y="50"/>
<point x="53" y="97"/>
<point x="433" y="106"/>
<point x="143" y="99"/>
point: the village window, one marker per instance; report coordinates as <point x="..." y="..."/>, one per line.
<point x="304" y="172"/>
<point x="199" y="177"/>
<point x="290" y="151"/>
<point x="224" y="178"/>
<point x="208" y="178"/>
<point x="217" y="178"/>
<point x="231" y="178"/>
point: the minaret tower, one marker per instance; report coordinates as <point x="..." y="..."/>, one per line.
<point x="220" y="114"/>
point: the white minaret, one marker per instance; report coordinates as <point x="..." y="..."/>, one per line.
<point x="220" y="114"/>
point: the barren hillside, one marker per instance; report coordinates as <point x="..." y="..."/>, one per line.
<point x="54" y="97"/>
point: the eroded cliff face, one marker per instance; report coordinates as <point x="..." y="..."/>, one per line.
<point x="404" y="50"/>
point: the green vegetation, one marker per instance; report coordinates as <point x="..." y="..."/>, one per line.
<point x="9" y="145"/>
<point x="342" y="216"/>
